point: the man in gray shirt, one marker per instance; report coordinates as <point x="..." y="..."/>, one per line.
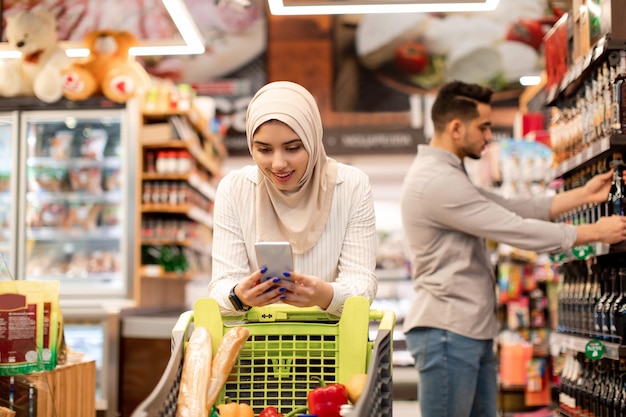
<point x="446" y="219"/>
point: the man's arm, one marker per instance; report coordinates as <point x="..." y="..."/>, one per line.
<point x="596" y="190"/>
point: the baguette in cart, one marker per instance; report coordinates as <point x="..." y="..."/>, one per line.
<point x="288" y="351"/>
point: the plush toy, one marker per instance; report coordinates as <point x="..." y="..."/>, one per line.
<point x="108" y="70"/>
<point x="38" y="71"/>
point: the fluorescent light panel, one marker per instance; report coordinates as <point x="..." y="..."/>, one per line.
<point x="292" y="8"/>
<point x="194" y="42"/>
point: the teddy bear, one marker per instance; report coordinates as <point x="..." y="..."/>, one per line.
<point x="38" y="72"/>
<point x="108" y="70"/>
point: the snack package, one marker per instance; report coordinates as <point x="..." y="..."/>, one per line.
<point x="51" y="321"/>
<point x="94" y="143"/>
<point x="83" y="215"/>
<point x="51" y="317"/>
<point x="21" y="330"/>
<point x="46" y="178"/>
<point x="87" y="179"/>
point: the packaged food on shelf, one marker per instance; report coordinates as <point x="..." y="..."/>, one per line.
<point x="94" y="143"/>
<point x="46" y="178"/>
<point x="86" y="179"/>
<point x="110" y="215"/>
<point x="46" y="215"/>
<point x="111" y="178"/>
<point x="83" y="215"/>
<point x="60" y="145"/>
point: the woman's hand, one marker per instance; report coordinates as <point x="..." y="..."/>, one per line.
<point x="597" y="188"/>
<point x="254" y="293"/>
<point x="306" y="291"/>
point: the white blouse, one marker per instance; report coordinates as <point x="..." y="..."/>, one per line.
<point x="345" y="255"/>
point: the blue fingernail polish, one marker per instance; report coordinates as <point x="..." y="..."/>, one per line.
<point x="287" y="274"/>
<point x="264" y="270"/>
<point x="275" y="280"/>
<point x="283" y="289"/>
<point x="283" y="297"/>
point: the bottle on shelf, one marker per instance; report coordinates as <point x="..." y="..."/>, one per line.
<point x="620" y="308"/>
<point x="616" y="194"/>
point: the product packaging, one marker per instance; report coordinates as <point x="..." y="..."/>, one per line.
<point x="29" y="325"/>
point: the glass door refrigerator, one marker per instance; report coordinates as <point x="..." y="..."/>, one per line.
<point x="8" y="194"/>
<point x="75" y="222"/>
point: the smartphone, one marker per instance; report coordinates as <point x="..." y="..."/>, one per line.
<point x="276" y="256"/>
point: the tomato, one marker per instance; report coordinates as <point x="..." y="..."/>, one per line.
<point x="526" y="31"/>
<point x="411" y="57"/>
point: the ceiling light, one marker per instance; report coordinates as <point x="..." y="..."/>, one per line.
<point x="194" y="42"/>
<point x="528" y="80"/>
<point x="313" y="7"/>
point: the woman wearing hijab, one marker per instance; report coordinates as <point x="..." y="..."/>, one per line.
<point x="294" y="193"/>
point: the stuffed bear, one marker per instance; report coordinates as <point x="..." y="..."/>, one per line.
<point x="109" y="70"/>
<point x="38" y="71"/>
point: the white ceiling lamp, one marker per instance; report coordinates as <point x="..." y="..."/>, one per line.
<point x="315" y="7"/>
<point x="194" y="42"/>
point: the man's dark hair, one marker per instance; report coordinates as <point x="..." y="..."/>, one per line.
<point x="458" y="100"/>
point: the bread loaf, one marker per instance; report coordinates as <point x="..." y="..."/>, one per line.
<point x="194" y="381"/>
<point x="225" y="358"/>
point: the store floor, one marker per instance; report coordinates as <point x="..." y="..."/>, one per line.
<point x="406" y="409"/>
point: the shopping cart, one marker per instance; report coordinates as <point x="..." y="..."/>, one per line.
<point x="287" y="350"/>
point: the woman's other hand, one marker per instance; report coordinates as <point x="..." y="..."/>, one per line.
<point x="306" y="291"/>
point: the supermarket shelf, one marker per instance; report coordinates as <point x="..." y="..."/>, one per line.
<point x="186" y="276"/>
<point x="205" y="188"/>
<point x="589" y="155"/>
<point x="111" y="197"/>
<point x="78" y="162"/>
<point x="577" y="73"/>
<point x="204" y="249"/>
<point x="64" y="234"/>
<point x="577" y="343"/>
<point x="194" y="213"/>
<point x="194" y="149"/>
<point x="104" y="277"/>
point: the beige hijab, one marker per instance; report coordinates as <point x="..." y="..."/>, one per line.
<point x="298" y="216"/>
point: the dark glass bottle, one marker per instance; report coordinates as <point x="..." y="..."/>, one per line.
<point x="618" y="290"/>
<point x="616" y="194"/>
<point x="606" y="306"/>
<point x="587" y="325"/>
<point x="565" y="299"/>
<point x="597" y="312"/>
<point x="595" y="292"/>
<point x="619" y="305"/>
<point x="620" y="313"/>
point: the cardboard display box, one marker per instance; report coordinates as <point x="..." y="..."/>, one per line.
<point x="68" y="390"/>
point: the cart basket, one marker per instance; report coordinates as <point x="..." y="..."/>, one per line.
<point x="288" y="348"/>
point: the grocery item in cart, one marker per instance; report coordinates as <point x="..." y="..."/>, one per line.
<point x="194" y="381"/>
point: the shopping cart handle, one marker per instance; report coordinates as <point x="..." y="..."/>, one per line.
<point x="181" y="329"/>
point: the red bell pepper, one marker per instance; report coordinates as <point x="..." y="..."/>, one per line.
<point x="326" y="400"/>
<point x="270" y="412"/>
